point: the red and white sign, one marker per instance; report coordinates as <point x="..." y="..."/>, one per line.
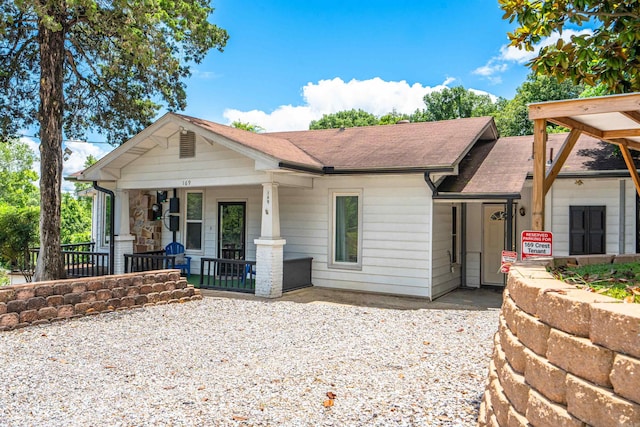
<point x="537" y="244"/>
<point x="508" y="258"/>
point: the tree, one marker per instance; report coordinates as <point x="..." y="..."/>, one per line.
<point x="610" y="54"/>
<point x="392" y="118"/>
<point x="18" y="232"/>
<point x="512" y="117"/>
<point x="81" y="65"/>
<point x="17" y="177"/>
<point x="344" y="119"/>
<point x="454" y="103"/>
<point x="247" y="126"/>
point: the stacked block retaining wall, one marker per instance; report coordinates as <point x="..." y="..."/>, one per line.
<point x="562" y="357"/>
<point x="44" y="302"/>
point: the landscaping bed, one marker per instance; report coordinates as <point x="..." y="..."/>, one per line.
<point x="620" y="281"/>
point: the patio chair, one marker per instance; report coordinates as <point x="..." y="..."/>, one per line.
<point x="182" y="262"/>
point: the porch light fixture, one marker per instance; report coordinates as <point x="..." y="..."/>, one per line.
<point x="522" y="211"/>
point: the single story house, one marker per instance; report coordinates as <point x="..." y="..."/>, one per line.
<point x="413" y="209"/>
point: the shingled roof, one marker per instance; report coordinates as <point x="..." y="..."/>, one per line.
<point x="501" y="167"/>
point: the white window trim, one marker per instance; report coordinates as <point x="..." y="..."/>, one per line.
<point x="201" y="221"/>
<point x="332" y="231"/>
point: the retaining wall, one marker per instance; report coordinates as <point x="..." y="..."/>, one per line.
<point x="562" y="357"/>
<point x="44" y="302"/>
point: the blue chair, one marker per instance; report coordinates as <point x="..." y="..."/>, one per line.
<point x="182" y="262"/>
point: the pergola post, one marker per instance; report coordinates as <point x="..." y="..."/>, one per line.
<point x="539" y="165"/>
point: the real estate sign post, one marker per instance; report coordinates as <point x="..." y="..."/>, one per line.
<point x="537" y="244"/>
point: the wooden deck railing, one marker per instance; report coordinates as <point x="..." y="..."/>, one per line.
<point x="80" y="260"/>
<point x="147" y="261"/>
<point x="228" y="274"/>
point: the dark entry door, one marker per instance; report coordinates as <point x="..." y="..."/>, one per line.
<point x="587" y="230"/>
<point x="231" y="230"/>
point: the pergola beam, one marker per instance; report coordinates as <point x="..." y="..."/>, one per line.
<point x="579" y="107"/>
<point x="630" y="165"/>
<point x="558" y="162"/>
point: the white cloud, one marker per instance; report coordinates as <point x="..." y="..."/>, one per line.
<point x="80" y="150"/>
<point x="375" y="96"/>
<point x="511" y="54"/>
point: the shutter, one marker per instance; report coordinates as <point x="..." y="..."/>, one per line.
<point x="596" y="230"/>
<point x="187" y="144"/>
<point x="577" y="230"/>
<point x="587" y="230"/>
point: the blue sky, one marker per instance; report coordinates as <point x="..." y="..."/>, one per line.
<point x="290" y="62"/>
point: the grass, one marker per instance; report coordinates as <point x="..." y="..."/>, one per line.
<point x="620" y="281"/>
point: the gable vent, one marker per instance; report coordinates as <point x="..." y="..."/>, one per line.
<point x="187" y="144"/>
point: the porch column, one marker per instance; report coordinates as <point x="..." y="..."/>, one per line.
<point x="269" y="247"/>
<point x="539" y="172"/>
<point x="123" y="239"/>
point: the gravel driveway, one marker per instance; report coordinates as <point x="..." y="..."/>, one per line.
<point x="239" y="362"/>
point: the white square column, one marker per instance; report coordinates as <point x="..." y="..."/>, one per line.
<point x="269" y="247"/>
<point x="123" y="239"/>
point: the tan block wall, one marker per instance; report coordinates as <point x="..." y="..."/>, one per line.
<point x="44" y="302"/>
<point x="562" y="357"/>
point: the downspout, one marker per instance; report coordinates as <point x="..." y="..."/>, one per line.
<point x="112" y="212"/>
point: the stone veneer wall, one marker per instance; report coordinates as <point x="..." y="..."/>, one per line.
<point x="562" y="356"/>
<point x="147" y="232"/>
<point x="44" y="302"/>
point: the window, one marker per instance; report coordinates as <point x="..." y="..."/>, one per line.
<point x="347" y="230"/>
<point x="194" y="221"/>
<point x="106" y="218"/>
<point x="587" y="230"/>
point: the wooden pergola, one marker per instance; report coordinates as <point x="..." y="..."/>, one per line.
<point x="614" y="119"/>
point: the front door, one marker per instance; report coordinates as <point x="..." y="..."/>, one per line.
<point x="494" y="219"/>
<point x="231" y="230"/>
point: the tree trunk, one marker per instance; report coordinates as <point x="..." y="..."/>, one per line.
<point x="50" y="264"/>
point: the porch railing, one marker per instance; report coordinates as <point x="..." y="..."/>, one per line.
<point x="80" y="260"/>
<point x="228" y="274"/>
<point x="147" y="261"/>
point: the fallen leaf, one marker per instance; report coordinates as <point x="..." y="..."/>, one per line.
<point x="43" y="335"/>
<point x="331" y="395"/>
<point x="169" y="387"/>
<point x="204" y="399"/>
<point x="109" y="367"/>
<point x="460" y="330"/>
<point x="629" y="299"/>
<point x="201" y="387"/>
<point x="426" y="342"/>
<point x="327" y="403"/>
<point x="239" y="418"/>
<point x="401" y="376"/>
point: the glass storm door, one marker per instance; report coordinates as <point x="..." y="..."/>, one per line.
<point x="231" y="230"/>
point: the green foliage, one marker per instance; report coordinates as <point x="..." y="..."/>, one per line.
<point x="18" y="232"/>
<point x="455" y="103"/>
<point x="81" y="186"/>
<point x="120" y="60"/>
<point x="4" y="278"/>
<point x="620" y="281"/>
<point x="247" y="126"/>
<point x="608" y="55"/>
<point x="17" y="178"/>
<point x="512" y="117"/>
<point x="392" y="118"/>
<point x="75" y="224"/>
<point x="344" y="119"/>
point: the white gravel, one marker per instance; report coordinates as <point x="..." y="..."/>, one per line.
<point x="234" y="362"/>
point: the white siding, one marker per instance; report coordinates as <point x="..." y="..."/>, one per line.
<point x="213" y="164"/>
<point x="396" y="232"/>
<point x="592" y="192"/>
<point x="446" y="276"/>
<point x="252" y="196"/>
